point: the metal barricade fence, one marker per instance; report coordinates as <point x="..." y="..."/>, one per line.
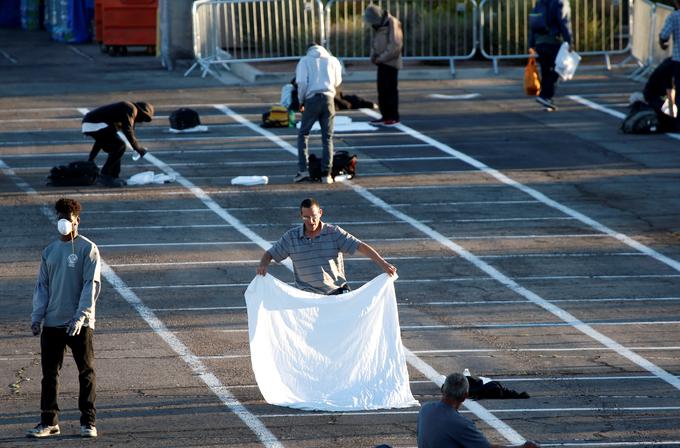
<point x="641" y="43"/>
<point x="228" y="31"/>
<point x="433" y="29"/>
<point x="658" y="54"/>
<point x="599" y="27"/>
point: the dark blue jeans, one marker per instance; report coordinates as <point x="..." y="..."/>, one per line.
<point x="547" y="53"/>
<point x="53" y="343"/>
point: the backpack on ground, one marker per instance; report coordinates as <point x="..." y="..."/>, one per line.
<point x="184" y="118"/>
<point x="344" y="163"/>
<point x="641" y="119"/>
<point x="539" y="20"/>
<point x="277" y="116"/>
<point x="75" y="174"/>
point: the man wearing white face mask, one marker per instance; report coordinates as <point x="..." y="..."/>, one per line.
<point x="64" y="306"/>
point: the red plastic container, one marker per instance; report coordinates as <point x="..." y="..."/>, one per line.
<point x="128" y="23"/>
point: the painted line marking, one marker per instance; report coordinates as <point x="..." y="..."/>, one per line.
<point x="513" y="285"/>
<point x="340" y="222"/>
<point x="442" y="280"/>
<point x="441" y="96"/>
<point x="393" y="257"/>
<point x="489" y="237"/>
<point x="286" y="207"/>
<point x="537" y="325"/>
<point x="222" y="392"/>
<point x="543" y="349"/>
<point x="512" y="325"/>
<point x="499" y="411"/>
<point x="481" y="350"/>
<point x="220" y="150"/>
<point x="609" y="111"/>
<point x="452" y="303"/>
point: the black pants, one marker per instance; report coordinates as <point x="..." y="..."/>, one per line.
<point x="388" y="92"/>
<point x="676" y="83"/>
<point x="53" y="343"/>
<point x="547" y="53"/>
<point x="107" y="139"/>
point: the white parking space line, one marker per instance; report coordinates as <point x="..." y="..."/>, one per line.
<point x="538" y="278"/>
<point x="510" y="283"/>
<point x="587" y="410"/>
<point x="480" y="237"/>
<point x="194" y="151"/>
<point x="361" y="223"/>
<point x="612" y="112"/>
<point x="289" y="207"/>
<point x="451" y="303"/>
<point x="541" y="349"/>
<point x="596" y="106"/>
<point x="226" y="397"/>
<point x="593" y="323"/>
<point x="441" y="96"/>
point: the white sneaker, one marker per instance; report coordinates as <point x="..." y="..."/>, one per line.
<point x="302" y="175"/>
<point x="326" y="179"/>
<point x="41" y="430"/>
<point x="88" y="431"/>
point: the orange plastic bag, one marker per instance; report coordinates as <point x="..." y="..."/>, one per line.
<point x="532" y="81"/>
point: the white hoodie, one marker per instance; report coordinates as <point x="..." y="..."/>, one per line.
<point x="318" y="72"/>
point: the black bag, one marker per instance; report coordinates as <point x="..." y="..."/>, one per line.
<point x="491" y="390"/>
<point x="344" y="163"/>
<point x="641" y="119"/>
<point x="184" y="118"/>
<point x="539" y="20"/>
<point x="75" y="174"/>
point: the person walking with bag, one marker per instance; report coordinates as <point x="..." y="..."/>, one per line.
<point x="549" y="27"/>
<point x="388" y="41"/>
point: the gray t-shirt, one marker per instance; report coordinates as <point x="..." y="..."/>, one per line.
<point x="68" y="283"/>
<point x="441" y="426"/>
<point x="317" y="262"/>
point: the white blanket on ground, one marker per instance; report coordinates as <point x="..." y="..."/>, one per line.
<point x="330" y="353"/>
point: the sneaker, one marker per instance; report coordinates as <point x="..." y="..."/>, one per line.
<point x="109" y="181"/>
<point x="302" y="175"/>
<point x="389" y="123"/>
<point x="378" y="122"/>
<point x="547" y="103"/>
<point x="88" y="431"/>
<point x="42" y="430"/>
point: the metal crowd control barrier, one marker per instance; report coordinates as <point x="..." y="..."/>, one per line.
<point x="648" y="19"/>
<point x="433" y="29"/>
<point x="229" y="31"/>
<point x="599" y="27"/>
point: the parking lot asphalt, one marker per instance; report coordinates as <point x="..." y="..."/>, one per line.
<point x="539" y="249"/>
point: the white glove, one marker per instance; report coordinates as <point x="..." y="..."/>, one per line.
<point x="74" y="326"/>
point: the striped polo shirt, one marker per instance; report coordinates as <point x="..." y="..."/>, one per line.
<point x="317" y="262"/>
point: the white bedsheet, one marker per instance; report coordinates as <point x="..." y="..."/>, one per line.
<point x="331" y="353"/>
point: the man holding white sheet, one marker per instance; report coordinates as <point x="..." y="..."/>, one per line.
<point x="316" y="250"/>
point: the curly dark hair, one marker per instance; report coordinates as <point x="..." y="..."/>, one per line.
<point x="67" y="207"/>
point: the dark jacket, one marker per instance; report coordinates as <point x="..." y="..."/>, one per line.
<point x="559" y="20"/>
<point x="122" y="116"/>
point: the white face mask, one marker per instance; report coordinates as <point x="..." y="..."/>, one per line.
<point x="64" y="226"/>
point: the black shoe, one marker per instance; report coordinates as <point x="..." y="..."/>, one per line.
<point x="109" y="181"/>
<point x="547" y="103"/>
